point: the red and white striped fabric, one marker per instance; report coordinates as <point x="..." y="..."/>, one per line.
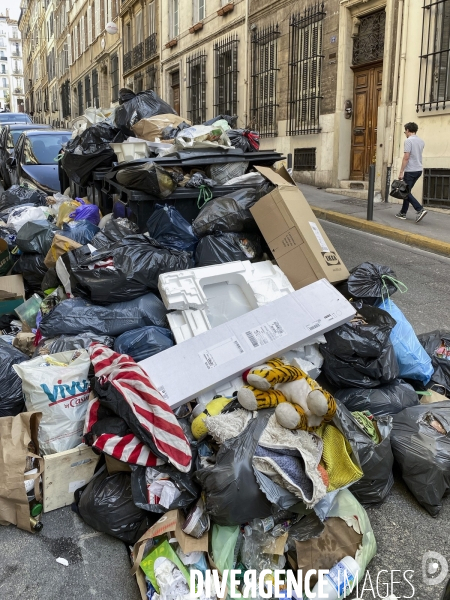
<point x="128" y="448"/>
<point x="146" y="403"/>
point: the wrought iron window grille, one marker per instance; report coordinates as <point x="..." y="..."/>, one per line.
<point x="436" y="187"/>
<point x="127" y="61"/>
<point x="304" y="159"/>
<point x="264" y="105"/>
<point x="87" y="91"/>
<point x="80" y="98"/>
<point x="95" y="94"/>
<point x="151" y="47"/>
<point x="226" y="75"/>
<point x="138" y="54"/>
<point x="151" y="77"/>
<point x="368" y="44"/>
<point x="196" y="87"/>
<point x="114" y="78"/>
<point x="434" y="70"/>
<point x="305" y="70"/>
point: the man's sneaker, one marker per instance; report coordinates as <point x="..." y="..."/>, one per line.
<point x="400" y="215"/>
<point x="421" y="214"/>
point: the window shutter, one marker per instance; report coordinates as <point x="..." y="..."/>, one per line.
<point x="89" y="25"/>
<point x="102" y="15"/>
<point x="151" y="18"/>
<point x="109" y="16"/>
<point x="82" y="36"/>
<point x="97" y="18"/>
<point x="69" y="48"/>
<point x="195" y="6"/>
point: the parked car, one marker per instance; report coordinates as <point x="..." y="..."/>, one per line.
<point x="35" y="159"/>
<point x="8" y="117"/>
<point x="9" y="134"/>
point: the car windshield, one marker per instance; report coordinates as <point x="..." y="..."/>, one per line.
<point x="43" y="149"/>
<point x="14" y="118"/>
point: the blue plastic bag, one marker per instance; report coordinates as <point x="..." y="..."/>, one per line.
<point x="80" y="231"/>
<point x="413" y="361"/>
<point x="170" y="228"/>
<point x="143" y="342"/>
<point x="86" y="212"/>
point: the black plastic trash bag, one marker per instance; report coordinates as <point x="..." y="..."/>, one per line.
<point x="77" y="342"/>
<point x="123" y="271"/>
<point x="366" y="335"/>
<point x="50" y="280"/>
<point x="147" y="177"/>
<point x="431" y="342"/>
<point x="375" y="460"/>
<point x="75" y="316"/>
<point x="8" y="234"/>
<point x="170" y="228"/>
<point x="229" y="213"/>
<point x="170" y="133"/>
<point x="80" y="231"/>
<point x="370" y="282"/>
<point x="385" y="400"/>
<point x="106" y="504"/>
<point x="245" y="139"/>
<point x="227" y="247"/>
<point x="232" y="493"/>
<point x="89" y="151"/>
<point x="355" y="371"/>
<point x="420" y="442"/>
<point x="35" y="237"/>
<point x="32" y="269"/>
<point x="18" y="194"/>
<point x="190" y="491"/>
<point x="143" y="342"/>
<point x="114" y="231"/>
<point x="135" y="107"/>
<point x="11" y="395"/>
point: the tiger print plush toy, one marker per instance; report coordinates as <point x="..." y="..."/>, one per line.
<point x="299" y="400"/>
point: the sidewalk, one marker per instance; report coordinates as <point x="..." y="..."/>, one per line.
<point x="432" y="233"/>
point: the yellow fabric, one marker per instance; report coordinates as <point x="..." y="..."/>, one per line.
<point x="341" y="469"/>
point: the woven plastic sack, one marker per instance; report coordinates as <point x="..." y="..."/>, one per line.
<point x="223" y="173"/>
<point x="57" y="385"/>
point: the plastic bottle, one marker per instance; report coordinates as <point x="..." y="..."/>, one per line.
<point x="262" y="525"/>
<point x="281" y="528"/>
<point x="339" y="581"/>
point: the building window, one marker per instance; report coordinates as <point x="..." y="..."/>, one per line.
<point x="305" y="67"/>
<point x="3" y="69"/>
<point x="4" y="83"/>
<point x="368" y="44"/>
<point x="196" y="87"/>
<point x="95" y="94"/>
<point x="174" y="19"/>
<point x="114" y="78"/>
<point x="151" y="18"/>
<point x="80" y="98"/>
<point x="198" y="10"/>
<point x="225" y="76"/>
<point x="436" y="187"/>
<point x="150" y="78"/>
<point x="65" y="99"/>
<point x="434" y="72"/>
<point x="138" y="50"/>
<point x="87" y="91"/>
<point x="304" y="159"/>
<point x="138" y="82"/>
<point x="264" y="80"/>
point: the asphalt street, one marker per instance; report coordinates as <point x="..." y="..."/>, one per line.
<point x="98" y="565"/>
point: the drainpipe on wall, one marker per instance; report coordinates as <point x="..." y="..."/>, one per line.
<point x="400" y="81"/>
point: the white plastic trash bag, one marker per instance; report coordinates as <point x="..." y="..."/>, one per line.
<point x="22" y="214"/>
<point x="203" y="136"/>
<point x="57" y="385"/>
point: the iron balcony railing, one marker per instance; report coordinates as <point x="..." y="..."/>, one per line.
<point x="138" y="54"/>
<point x="127" y="61"/>
<point x="150" y="46"/>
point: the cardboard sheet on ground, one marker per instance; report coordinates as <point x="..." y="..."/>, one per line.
<point x="206" y="361"/>
<point x="294" y="235"/>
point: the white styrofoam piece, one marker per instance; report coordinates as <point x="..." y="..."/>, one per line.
<point x="206" y="361"/>
<point x="260" y="282"/>
<point x="130" y="150"/>
<point x="187" y="323"/>
<point x="226" y="389"/>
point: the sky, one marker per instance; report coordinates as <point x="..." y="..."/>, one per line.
<point x="13" y="5"/>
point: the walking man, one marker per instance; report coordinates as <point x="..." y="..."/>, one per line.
<point x="411" y="170"/>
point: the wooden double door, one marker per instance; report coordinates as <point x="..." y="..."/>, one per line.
<point x="366" y="100"/>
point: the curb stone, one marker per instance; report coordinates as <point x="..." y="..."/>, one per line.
<point x="398" y="235"/>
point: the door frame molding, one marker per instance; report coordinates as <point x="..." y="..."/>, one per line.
<point x="348" y="11"/>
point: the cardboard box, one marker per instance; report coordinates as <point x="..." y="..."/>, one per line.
<point x="294" y="235"/>
<point x="206" y="361"/>
<point x="12" y="293"/>
<point x="171" y="524"/>
<point x="64" y="473"/>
